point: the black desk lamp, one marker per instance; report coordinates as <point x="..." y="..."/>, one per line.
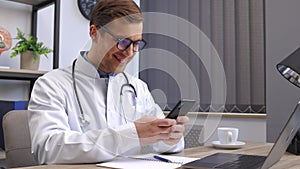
<point x="290" y="69"/>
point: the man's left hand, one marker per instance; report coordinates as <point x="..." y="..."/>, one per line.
<point x="176" y="131"/>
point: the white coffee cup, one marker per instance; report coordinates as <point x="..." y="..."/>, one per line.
<point x="228" y="135"/>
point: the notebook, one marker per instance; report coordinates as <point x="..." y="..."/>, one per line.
<point x="232" y="161"/>
<point x="146" y="160"/>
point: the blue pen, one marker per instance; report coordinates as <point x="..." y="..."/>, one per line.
<point x="162" y="159"/>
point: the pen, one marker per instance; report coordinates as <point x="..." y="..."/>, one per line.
<point x="162" y="159"/>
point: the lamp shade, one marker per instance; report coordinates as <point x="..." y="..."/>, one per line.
<point x="290" y="68"/>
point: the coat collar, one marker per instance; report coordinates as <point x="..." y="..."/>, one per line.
<point x="84" y="66"/>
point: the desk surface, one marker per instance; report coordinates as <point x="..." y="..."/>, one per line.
<point x="289" y="161"/>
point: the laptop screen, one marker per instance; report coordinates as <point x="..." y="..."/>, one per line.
<point x="287" y="134"/>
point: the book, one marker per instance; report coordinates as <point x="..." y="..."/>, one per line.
<point x="148" y="161"/>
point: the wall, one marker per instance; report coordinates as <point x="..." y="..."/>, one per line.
<point x="250" y="129"/>
<point x="282" y="37"/>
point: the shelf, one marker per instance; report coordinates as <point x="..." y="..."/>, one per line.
<point x="31" y="2"/>
<point x="37" y="5"/>
<point x="21" y="74"/>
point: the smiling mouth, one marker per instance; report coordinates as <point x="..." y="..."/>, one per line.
<point x="121" y="60"/>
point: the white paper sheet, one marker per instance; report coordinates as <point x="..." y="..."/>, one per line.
<point x="146" y="161"/>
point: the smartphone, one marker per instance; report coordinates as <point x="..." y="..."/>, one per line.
<point x="181" y="109"/>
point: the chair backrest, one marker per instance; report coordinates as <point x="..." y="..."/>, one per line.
<point x="17" y="139"/>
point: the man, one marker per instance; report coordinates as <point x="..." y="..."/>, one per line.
<point x="77" y="116"/>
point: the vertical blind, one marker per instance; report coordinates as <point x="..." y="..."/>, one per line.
<point x="236" y="30"/>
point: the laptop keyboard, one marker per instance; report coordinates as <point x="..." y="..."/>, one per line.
<point x="244" y="162"/>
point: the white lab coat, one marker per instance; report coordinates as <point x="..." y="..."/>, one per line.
<point x="56" y="132"/>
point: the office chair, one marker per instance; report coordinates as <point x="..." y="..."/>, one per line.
<point x="17" y="139"/>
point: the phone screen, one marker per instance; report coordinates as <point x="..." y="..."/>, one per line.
<point x="181" y="108"/>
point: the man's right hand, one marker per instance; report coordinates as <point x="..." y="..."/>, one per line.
<point x="152" y="129"/>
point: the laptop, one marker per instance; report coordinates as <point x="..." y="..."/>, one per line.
<point x="241" y="161"/>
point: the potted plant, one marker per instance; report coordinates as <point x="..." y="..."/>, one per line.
<point x="30" y="50"/>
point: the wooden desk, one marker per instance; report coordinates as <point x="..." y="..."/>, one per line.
<point x="288" y="161"/>
<point x="21" y="74"/>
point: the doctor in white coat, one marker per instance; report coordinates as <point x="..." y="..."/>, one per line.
<point x="92" y="111"/>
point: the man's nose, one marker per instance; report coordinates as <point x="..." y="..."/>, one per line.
<point x="129" y="51"/>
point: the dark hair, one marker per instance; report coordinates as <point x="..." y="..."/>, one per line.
<point x="108" y="10"/>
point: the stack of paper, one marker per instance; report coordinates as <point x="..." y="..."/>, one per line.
<point x="147" y="161"/>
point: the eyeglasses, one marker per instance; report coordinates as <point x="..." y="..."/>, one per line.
<point x="124" y="43"/>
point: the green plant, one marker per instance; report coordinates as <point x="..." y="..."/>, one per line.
<point x="30" y="44"/>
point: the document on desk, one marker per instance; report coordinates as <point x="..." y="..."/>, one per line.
<point x="150" y="161"/>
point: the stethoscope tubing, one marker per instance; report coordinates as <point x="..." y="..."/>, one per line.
<point x="83" y="119"/>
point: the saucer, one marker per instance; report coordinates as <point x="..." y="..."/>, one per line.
<point x="237" y="144"/>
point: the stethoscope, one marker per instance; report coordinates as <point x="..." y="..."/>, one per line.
<point x="83" y="120"/>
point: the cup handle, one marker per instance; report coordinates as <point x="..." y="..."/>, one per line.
<point x="229" y="137"/>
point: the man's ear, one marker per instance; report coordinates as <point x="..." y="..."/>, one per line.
<point x="93" y="32"/>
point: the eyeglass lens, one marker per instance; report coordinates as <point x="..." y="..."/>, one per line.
<point x="123" y="44"/>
